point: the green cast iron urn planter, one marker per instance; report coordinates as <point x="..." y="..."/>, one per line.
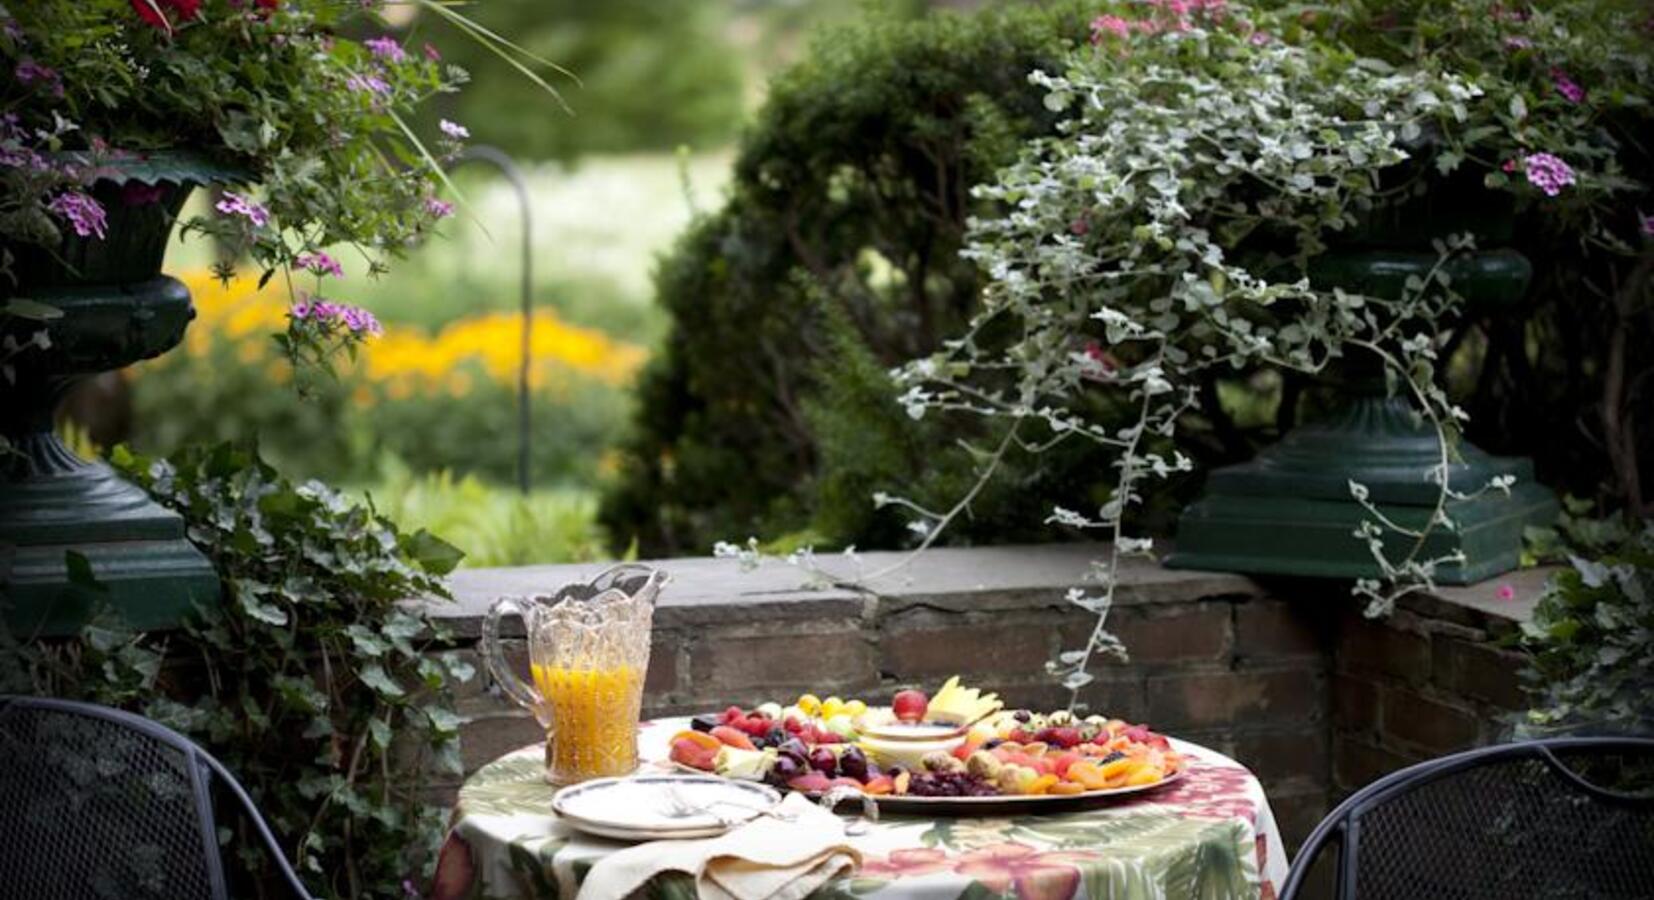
<point x="58" y="510"/>
<point x="1289" y="511"/>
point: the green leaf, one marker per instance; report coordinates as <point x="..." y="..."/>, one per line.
<point x="268" y="613"/>
<point x="433" y="554"/>
<point x="373" y="675"/>
<point x="80" y="574"/>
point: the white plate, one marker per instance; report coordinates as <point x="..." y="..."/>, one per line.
<point x="638" y="807"/>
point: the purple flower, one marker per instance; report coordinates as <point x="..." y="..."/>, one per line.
<point x="1567" y="87"/>
<point x="386" y="48"/>
<point x="329" y="315"/>
<point x="438" y="209"/>
<point x="1647" y="223"/>
<point x="237" y="205"/>
<point x="320" y="263"/>
<point x="1548" y="173"/>
<point x="453" y="130"/>
<point x="368" y="84"/>
<point x="83" y="214"/>
<point x="30" y="72"/>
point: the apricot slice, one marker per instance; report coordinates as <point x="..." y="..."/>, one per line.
<point x="1067" y="788"/>
<point x="700" y="738"/>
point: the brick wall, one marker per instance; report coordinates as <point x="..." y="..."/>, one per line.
<point x="1288" y="679"/>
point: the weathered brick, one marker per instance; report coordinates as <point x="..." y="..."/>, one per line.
<point x="1357" y="763"/>
<point x="1432" y="725"/>
<point x="662" y="675"/>
<point x="1377" y="647"/>
<point x="1354" y="703"/>
<point x="1276" y="756"/>
<point x="745" y="667"/>
<point x="1297" y="815"/>
<point x="487" y="738"/>
<point x="1276" y="628"/>
<point x="1479" y="671"/>
<point x="927" y="650"/>
<point x="1228" y="698"/>
<point x="1116" y="695"/>
<point x="1153" y="635"/>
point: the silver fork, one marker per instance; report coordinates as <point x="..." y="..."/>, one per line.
<point x="681" y="807"/>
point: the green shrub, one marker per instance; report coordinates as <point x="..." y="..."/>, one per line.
<point x="851" y="187"/>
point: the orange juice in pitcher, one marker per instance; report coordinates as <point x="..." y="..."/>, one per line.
<point x="588" y="648"/>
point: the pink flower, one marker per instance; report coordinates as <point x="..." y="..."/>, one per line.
<point x="1567" y="87"/>
<point x="431" y="52"/>
<point x="1647" y="222"/>
<point x="1506" y="592"/>
<point x="906" y="863"/>
<point x="330" y="316"/>
<point x="367" y="84"/>
<point x="85" y="215"/>
<point x="1517" y="43"/>
<point x="438" y="209"/>
<point x="320" y="263"/>
<point x="1548" y="173"/>
<point x="1033" y="874"/>
<point x="237" y="205"/>
<point x="386" y="48"/>
<point x="1079" y="227"/>
<point x="453" y="130"/>
<point x="1258" y="38"/>
<point x="1109" y="25"/>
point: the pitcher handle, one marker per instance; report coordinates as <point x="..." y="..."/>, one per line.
<point x="517" y="689"/>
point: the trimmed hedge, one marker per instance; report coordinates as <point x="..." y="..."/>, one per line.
<point x="767" y="411"/>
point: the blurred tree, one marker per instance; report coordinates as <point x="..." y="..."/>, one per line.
<point x="654" y="74"/>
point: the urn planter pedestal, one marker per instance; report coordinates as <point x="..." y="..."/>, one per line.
<point x="74" y="536"/>
<point x="1289" y="511"/>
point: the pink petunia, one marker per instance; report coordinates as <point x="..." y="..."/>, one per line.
<point x="1506" y="592"/>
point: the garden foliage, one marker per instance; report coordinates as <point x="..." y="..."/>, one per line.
<point x="851" y="192"/>
<point x="311" y="681"/>
<point x="1591" y="638"/>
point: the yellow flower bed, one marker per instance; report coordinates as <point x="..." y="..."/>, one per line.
<point x="406" y="361"/>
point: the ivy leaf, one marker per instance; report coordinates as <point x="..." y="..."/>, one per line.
<point x="380" y="733"/>
<point x="365" y="641"/>
<point x="268" y="613"/>
<point x="80" y="574"/>
<point x="373" y="675"/>
<point x="433" y="554"/>
<point x="445" y="721"/>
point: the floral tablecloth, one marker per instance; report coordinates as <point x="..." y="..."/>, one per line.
<point x="1210" y="836"/>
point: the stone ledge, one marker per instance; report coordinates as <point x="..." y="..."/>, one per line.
<point x="706" y="591"/>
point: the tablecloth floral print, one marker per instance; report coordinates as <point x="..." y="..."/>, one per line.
<point x="1211" y="835"/>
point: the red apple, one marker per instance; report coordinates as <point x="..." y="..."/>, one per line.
<point x="910" y="706"/>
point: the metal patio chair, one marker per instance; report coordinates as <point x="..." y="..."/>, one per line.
<point x="99" y="803"/>
<point x="1533" y="819"/>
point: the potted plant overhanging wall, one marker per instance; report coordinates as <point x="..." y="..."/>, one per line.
<point x="1214" y="202"/>
<point x="114" y="111"/>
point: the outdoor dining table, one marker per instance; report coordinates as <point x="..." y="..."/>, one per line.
<point x="1211" y="834"/>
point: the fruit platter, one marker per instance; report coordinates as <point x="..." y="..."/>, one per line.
<point x="955" y="750"/>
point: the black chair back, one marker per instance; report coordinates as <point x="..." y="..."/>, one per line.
<point x="99" y="803"/>
<point x="1559" y="818"/>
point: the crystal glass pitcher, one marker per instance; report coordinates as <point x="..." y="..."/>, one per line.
<point x="588" y="648"/>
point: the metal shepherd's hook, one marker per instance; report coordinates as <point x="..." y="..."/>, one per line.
<point x="508" y="167"/>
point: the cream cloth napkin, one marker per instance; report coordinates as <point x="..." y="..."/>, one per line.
<point x="765" y="859"/>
